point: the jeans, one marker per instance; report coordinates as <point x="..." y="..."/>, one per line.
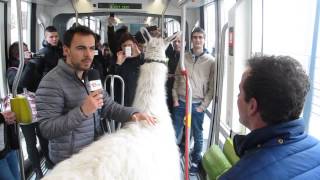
<point x="196" y="128"/>
<point x="9" y="166"/>
<point x="30" y="132"/>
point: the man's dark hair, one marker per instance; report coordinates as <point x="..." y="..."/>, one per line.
<point x="98" y="37"/>
<point x="50" y="29"/>
<point x="121" y="30"/>
<point x="279" y="84"/>
<point x="105" y="44"/>
<point x="83" y="30"/>
<point x="198" y="30"/>
<point x="127" y="36"/>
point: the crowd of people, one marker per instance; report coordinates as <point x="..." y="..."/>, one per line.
<point x="68" y="114"/>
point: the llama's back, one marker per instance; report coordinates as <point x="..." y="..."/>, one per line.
<point x="136" y="152"/>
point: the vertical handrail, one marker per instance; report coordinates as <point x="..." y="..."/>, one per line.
<point x="111" y="127"/>
<point x="162" y="17"/>
<point x="16" y="82"/>
<point x="216" y="107"/>
<point x="76" y="11"/>
<point x="188" y="92"/>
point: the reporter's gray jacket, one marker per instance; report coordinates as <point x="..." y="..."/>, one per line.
<point x="58" y="100"/>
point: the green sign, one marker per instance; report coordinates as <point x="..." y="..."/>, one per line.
<point x="119" y="5"/>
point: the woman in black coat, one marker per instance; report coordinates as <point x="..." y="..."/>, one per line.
<point x="127" y="65"/>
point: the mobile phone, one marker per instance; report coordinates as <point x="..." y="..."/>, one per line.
<point x="127" y="51"/>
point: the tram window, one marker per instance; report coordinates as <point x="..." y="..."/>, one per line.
<point x="226" y="5"/>
<point x="315" y="110"/>
<point x="72" y="21"/>
<point x="291" y="34"/>
<point x="209" y="14"/>
<point x="172" y="26"/>
<point x="26" y="21"/>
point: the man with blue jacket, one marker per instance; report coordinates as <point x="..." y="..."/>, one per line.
<point x="272" y="94"/>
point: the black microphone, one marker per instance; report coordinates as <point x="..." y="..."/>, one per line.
<point x="94" y="80"/>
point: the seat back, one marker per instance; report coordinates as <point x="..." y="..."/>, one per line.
<point x="229" y="152"/>
<point x="215" y="162"/>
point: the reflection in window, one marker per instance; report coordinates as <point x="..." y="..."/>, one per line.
<point x="73" y="21"/>
<point x="89" y="21"/>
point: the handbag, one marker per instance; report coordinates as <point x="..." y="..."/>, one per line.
<point x="30" y="98"/>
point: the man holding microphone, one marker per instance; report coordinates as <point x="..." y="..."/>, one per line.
<point x="67" y="110"/>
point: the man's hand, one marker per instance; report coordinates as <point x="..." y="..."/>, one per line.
<point x="135" y="50"/>
<point x="92" y="102"/>
<point x="111" y="21"/>
<point x="199" y="109"/>
<point x="143" y="116"/>
<point x="175" y="103"/>
<point x="9" y="117"/>
<point x="121" y="57"/>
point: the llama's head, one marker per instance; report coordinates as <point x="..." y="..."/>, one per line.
<point x="156" y="47"/>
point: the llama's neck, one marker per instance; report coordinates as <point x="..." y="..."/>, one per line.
<point x="150" y="93"/>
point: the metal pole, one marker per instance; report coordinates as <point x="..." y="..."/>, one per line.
<point x="75" y="10"/>
<point x="162" y="18"/>
<point x="112" y="128"/>
<point x="188" y="92"/>
<point x="219" y="85"/>
<point x="16" y="82"/>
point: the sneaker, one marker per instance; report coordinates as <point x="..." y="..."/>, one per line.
<point x="194" y="169"/>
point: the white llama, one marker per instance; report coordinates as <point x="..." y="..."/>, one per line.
<point x="138" y="151"/>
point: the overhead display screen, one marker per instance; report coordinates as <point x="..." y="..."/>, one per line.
<point x="118" y="5"/>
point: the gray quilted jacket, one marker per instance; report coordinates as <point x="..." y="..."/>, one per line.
<point x="58" y="100"/>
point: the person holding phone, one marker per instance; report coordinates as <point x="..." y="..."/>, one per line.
<point x="127" y="65"/>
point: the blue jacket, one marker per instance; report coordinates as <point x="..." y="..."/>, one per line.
<point x="281" y="151"/>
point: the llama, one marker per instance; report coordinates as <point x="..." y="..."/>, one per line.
<point x="138" y="151"/>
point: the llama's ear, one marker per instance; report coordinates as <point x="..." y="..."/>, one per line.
<point x="145" y="32"/>
<point x="172" y="37"/>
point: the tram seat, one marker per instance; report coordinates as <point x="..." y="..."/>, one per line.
<point x="216" y="161"/>
<point x="229" y="152"/>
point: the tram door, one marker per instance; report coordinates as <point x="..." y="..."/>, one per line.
<point x="3" y="86"/>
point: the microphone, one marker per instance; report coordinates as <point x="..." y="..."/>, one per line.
<point x="94" y="80"/>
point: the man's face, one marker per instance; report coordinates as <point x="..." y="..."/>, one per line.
<point x="243" y="106"/>
<point x="197" y="40"/>
<point x="52" y="38"/>
<point x="177" y="44"/>
<point x="81" y="52"/>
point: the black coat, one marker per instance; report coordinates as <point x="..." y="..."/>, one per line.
<point x="129" y="71"/>
<point x="10" y="137"/>
<point x="51" y="56"/>
<point x="173" y="62"/>
<point x="30" y="77"/>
